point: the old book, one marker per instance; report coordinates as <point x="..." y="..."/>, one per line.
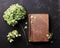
<point x="38" y="27"/>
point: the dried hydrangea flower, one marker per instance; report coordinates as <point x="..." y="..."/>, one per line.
<point x="14" y="13"/>
<point x="13" y="34"/>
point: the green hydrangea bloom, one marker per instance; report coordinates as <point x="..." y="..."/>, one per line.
<point x="13" y="34"/>
<point x="14" y="13"/>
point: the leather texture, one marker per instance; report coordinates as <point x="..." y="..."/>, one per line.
<point x="38" y="27"/>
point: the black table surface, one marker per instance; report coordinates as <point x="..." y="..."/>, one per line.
<point x="52" y="7"/>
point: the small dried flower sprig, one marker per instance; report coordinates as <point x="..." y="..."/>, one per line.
<point x="49" y="35"/>
<point x="12" y="35"/>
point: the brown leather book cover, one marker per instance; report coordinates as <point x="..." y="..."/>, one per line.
<point x="38" y="27"/>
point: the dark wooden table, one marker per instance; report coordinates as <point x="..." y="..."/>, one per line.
<point x="52" y="7"/>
